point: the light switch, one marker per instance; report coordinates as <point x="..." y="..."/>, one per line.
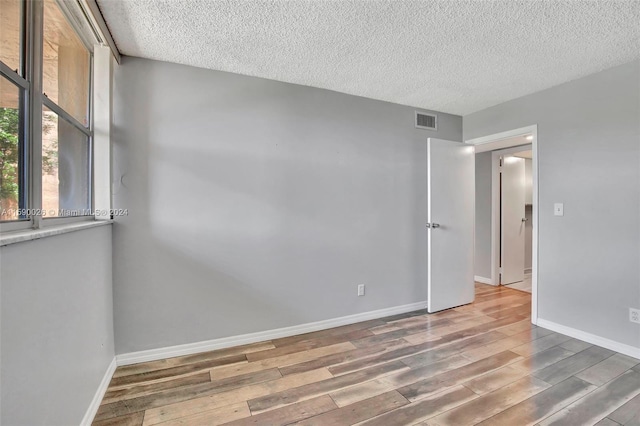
<point x="558" y="209"/>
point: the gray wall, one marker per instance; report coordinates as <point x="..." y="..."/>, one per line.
<point x="255" y="204"/>
<point x="483" y="215"/>
<point x="589" y="159"/>
<point x="56" y="326"/>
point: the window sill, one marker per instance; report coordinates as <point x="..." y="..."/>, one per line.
<point x="15" y="237"/>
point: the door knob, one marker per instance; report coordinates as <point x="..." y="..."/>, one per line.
<point x="524" y="219"/>
<point x="433" y="225"/>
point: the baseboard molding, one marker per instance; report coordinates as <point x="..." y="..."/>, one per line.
<point x="227" y="342"/>
<point x="483" y="280"/>
<point x="97" y="398"/>
<point x="590" y="338"/>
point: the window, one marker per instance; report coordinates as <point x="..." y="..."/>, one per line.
<point x="45" y="115"/>
<point x="11" y="137"/>
<point x="65" y="168"/>
<point x="11" y="33"/>
<point x="66" y="62"/>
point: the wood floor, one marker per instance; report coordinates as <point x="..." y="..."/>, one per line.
<point x="478" y="364"/>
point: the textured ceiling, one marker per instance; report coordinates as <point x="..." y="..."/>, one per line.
<point x="450" y="56"/>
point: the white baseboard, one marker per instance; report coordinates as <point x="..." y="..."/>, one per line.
<point x="227" y="342"/>
<point x="97" y="398"/>
<point x="483" y="280"/>
<point x="590" y="338"/>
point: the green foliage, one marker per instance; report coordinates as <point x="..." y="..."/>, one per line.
<point x="49" y="153"/>
<point x="9" y="124"/>
<point x="9" y="151"/>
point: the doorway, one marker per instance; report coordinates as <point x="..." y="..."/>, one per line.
<point x="489" y="238"/>
<point x="512" y="168"/>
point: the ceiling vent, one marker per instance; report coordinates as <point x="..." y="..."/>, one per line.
<point x="426" y="121"/>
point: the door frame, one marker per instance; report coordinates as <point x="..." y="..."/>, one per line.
<point x="495" y="209"/>
<point x="499" y="141"/>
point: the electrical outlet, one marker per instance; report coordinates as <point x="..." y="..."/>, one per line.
<point x="558" y="209"/>
<point x="360" y="289"/>
<point x="634" y="315"/>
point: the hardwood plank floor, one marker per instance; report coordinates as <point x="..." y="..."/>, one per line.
<point x="483" y="363"/>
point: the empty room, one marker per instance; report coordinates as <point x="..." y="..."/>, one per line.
<point x="319" y="212"/>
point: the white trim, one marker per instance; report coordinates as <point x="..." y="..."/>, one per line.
<point x="590" y="338"/>
<point x="102" y="102"/>
<point x="429" y="295"/>
<point x="99" y="26"/>
<point x="227" y="342"/>
<point x="499" y="141"/>
<point x="97" y="397"/>
<point x="16" y="225"/>
<point x="534" y="226"/>
<point x="483" y="280"/>
<point x="49" y="231"/>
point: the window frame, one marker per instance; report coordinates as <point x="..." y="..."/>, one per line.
<point x="21" y="78"/>
<point x="29" y="77"/>
<point x="23" y="178"/>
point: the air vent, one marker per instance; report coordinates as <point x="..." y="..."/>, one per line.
<point x="426" y="121"/>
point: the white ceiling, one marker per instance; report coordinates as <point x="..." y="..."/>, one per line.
<point x="450" y="56"/>
<point x="524" y="154"/>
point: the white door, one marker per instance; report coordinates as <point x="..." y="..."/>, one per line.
<point x="512" y="219"/>
<point x="451" y="218"/>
